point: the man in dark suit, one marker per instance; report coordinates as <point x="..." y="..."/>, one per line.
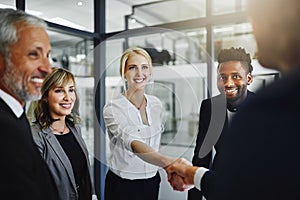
<point x="259" y="158"/>
<point x="234" y="75"/>
<point x="24" y="62"/>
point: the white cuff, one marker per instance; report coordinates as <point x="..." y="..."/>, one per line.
<point x="198" y="177"/>
<point x="94" y="197"/>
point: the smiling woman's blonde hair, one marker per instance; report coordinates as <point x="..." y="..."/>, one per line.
<point x="57" y="78"/>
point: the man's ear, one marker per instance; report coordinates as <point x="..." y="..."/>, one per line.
<point x="249" y="78"/>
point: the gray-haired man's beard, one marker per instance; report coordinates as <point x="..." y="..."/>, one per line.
<point x="15" y="84"/>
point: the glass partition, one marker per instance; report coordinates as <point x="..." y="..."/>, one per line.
<point x="123" y="15"/>
<point x="227" y="6"/>
<point x="7" y="4"/>
<point x="75" y="14"/>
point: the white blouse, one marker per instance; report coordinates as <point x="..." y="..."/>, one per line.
<point x="124" y="124"/>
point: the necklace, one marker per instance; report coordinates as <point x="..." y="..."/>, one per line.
<point x="138" y="107"/>
<point x="61" y="132"/>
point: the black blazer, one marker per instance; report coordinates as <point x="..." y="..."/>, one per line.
<point x="260" y="157"/>
<point x="205" y="160"/>
<point x="23" y="173"/>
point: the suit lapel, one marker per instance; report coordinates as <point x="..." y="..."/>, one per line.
<point x="56" y="147"/>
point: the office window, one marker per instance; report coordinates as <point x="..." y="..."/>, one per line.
<point x="75" y="14"/>
<point x="7" y="4"/>
<point x="227" y="6"/>
<point x="234" y="35"/>
<point x="123" y="15"/>
<point x="170" y="11"/>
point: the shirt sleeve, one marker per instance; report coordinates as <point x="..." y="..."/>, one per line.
<point x="198" y="177"/>
<point x="118" y="128"/>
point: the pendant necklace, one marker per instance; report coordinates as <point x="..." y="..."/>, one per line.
<point x="138" y="107"/>
<point x="61" y="132"/>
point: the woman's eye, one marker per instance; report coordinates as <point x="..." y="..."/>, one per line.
<point x="59" y="91"/>
<point x="131" y="68"/>
<point x="145" y="67"/>
<point x="72" y="90"/>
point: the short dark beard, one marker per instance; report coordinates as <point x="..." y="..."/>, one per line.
<point x="236" y="101"/>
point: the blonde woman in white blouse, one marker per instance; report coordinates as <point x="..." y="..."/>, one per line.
<point x="134" y="123"/>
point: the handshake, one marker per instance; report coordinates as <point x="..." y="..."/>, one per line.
<point x="181" y="174"/>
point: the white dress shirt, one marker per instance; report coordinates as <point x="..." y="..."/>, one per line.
<point x="124" y="124"/>
<point x="14" y="105"/>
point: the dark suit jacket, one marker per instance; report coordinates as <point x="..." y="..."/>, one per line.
<point x="23" y="173"/>
<point x="259" y="158"/>
<point x="205" y="160"/>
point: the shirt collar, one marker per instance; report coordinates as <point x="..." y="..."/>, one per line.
<point x="14" y="105"/>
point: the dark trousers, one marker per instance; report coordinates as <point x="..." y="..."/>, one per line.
<point x="117" y="188"/>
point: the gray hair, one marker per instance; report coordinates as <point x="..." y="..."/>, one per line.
<point x="8" y="31"/>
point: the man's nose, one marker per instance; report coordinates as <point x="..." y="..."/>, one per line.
<point x="46" y="66"/>
<point x="228" y="82"/>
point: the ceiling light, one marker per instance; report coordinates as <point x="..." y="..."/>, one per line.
<point x="79" y="3"/>
<point x="133" y="20"/>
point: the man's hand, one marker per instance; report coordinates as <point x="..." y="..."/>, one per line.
<point x="181" y="174"/>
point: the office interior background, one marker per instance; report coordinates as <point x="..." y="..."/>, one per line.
<point x="182" y="36"/>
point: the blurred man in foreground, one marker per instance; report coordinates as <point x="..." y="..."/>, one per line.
<point x="259" y="158"/>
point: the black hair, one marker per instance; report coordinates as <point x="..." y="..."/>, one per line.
<point x="236" y="54"/>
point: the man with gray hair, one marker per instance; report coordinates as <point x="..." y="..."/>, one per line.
<point x="24" y="63"/>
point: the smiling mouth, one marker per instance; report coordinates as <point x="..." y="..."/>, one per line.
<point x="230" y="91"/>
<point x="36" y="80"/>
<point x="66" y="105"/>
<point x="139" y="80"/>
